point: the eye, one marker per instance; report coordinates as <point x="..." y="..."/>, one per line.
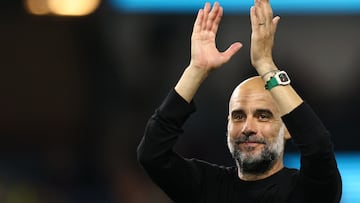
<point x="238" y="116"/>
<point x="264" y="115"/>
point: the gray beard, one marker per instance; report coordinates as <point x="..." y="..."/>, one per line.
<point x="255" y="164"/>
<point x="258" y="165"/>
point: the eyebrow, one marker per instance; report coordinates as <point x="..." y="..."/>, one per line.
<point x="266" y="111"/>
<point x="237" y="111"/>
<point x="257" y="111"/>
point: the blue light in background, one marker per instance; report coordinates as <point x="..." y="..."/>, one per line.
<point x="240" y="6"/>
<point x="349" y="166"/>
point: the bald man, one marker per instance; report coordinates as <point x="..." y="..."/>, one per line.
<point x="256" y="133"/>
<point x="264" y="111"/>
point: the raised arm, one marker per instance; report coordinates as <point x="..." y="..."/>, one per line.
<point x="205" y="57"/>
<point x="262" y="40"/>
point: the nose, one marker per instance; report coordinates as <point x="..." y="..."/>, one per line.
<point x="249" y="127"/>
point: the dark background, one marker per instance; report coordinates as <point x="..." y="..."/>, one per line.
<point x="76" y="93"/>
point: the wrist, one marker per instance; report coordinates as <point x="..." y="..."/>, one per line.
<point x="268" y="75"/>
<point x="263" y="65"/>
<point x="196" y="73"/>
<point x="267" y="71"/>
<point x="277" y="78"/>
<point x="190" y="82"/>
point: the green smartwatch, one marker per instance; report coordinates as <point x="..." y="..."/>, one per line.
<point x="280" y="78"/>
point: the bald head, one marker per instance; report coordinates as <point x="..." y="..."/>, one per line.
<point x="253" y="87"/>
<point x="253" y="84"/>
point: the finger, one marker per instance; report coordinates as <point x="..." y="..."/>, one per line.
<point x="275" y="22"/>
<point x="217" y="20"/>
<point x="256" y="22"/>
<point x="260" y="12"/>
<point x="264" y="1"/>
<point x="267" y="10"/>
<point x="253" y="18"/>
<point x="205" y="15"/>
<point x="235" y="47"/>
<point x="198" y="21"/>
<point x="212" y="16"/>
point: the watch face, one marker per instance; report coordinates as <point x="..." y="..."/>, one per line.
<point x="283" y="77"/>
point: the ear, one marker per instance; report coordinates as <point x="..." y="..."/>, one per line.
<point x="287" y="135"/>
<point x="228" y="123"/>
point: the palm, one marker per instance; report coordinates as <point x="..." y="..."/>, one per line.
<point x="204" y="53"/>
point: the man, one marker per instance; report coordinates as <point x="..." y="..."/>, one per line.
<point x="263" y="112"/>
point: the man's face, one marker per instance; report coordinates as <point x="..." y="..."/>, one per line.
<point x="255" y="131"/>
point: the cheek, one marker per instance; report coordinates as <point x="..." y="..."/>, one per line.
<point x="234" y="128"/>
<point x="271" y="132"/>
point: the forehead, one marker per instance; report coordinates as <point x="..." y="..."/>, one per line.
<point x="252" y="100"/>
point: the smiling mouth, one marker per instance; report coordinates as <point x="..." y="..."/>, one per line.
<point x="248" y="142"/>
<point x="251" y="143"/>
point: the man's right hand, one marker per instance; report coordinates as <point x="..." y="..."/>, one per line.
<point x="204" y="53"/>
<point x="205" y="57"/>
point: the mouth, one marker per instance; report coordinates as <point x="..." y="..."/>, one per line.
<point x="251" y="144"/>
<point x="248" y="142"/>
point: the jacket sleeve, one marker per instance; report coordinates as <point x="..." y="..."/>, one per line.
<point x="176" y="176"/>
<point x="318" y="171"/>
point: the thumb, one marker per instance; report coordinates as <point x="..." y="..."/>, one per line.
<point x="275" y="21"/>
<point x="229" y="52"/>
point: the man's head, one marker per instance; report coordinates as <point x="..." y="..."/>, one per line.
<point x="256" y="133"/>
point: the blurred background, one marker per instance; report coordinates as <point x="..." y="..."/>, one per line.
<point x="79" y="80"/>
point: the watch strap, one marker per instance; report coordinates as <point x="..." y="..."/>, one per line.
<point x="271" y="83"/>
